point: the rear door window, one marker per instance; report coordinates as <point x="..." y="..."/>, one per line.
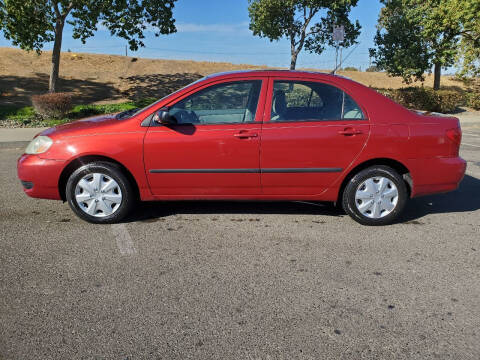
<point x="311" y="101"/>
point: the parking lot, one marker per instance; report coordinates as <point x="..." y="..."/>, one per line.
<point x="232" y="280"/>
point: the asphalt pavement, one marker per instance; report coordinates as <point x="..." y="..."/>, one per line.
<point x="235" y="280"/>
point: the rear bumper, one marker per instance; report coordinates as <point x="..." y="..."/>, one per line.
<point x="436" y="175"/>
<point x="39" y="177"/>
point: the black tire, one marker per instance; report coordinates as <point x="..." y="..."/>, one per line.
<point x="111" y="170"/>
<point x="349" y="202"/>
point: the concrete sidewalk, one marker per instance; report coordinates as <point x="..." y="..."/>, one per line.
<point x="469" y="117"/>
<point x="18" y="134"/>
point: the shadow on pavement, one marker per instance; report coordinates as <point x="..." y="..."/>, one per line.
<point x="465" y="198"/>
<point x="152" y="211"/>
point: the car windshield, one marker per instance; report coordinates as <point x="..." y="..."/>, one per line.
<point x="134" y="112"/>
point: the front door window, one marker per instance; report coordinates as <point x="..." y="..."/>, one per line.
<point x="228" y="103"/>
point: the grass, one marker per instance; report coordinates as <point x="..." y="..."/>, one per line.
<point x="11" y="116"/>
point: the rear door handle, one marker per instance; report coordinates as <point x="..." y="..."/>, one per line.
<point x="350" y="132"/>
<point x="243" y="134"/>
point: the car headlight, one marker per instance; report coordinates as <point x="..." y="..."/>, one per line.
<point x="39" y="145"/>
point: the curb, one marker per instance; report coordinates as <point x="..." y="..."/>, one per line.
<point x="18" y="134"/>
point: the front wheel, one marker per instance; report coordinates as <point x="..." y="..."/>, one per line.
<point x="99" y="193"/>
<point x="375" y="196"/>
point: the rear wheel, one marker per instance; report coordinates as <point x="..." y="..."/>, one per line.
<point x="375" y="196"/>
<point x="100" y="193"/>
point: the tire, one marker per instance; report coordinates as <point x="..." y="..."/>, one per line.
<point x="375" y="196"/>
<point x="94" y="197"/>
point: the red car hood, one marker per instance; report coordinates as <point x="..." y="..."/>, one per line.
<point x="91" y="125"/>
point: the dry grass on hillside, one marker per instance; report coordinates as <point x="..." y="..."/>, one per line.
<point x="111" y="78"/>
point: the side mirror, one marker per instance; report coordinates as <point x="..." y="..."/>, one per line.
<point x="163" y="117"/>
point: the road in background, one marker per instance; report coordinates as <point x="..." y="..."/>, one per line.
<point x="230" y="280"/>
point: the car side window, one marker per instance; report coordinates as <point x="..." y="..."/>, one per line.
<point x="351" y="110"/>
<point x="315" y="101"/>
<point x="229" y="103"/>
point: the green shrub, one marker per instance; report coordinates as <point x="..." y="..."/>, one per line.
<point x="473" y="100"/>
<point x="349" y="68"/>
<point x="373" y="68"/>
<point x="52" y="105"/>
<point x="13" y="112"/>
<point x="81" y="111"/>
<point x="12" y="116"/>
<point x="144" y="102"/>
<point x="420" y="98"/>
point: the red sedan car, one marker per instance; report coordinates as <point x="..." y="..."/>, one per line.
<point x="253" y="135"/>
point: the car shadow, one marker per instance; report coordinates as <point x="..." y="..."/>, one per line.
<point x="153" y="211"/>
<point x="465" y="198"/>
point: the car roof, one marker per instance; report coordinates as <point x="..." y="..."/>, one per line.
<point x="270" y="72"/>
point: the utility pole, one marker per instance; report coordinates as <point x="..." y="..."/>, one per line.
<point x="336" y="59"/>
<point x="341" y="48"/>
<point x="126" y="50"/>
<point x="338" y="36"/>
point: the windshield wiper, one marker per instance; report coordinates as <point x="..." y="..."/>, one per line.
<point x="126" y="114"/>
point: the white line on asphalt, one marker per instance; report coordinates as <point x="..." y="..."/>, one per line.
<point x="470" y="134"/>
<point x="123" y="239"/>
<point x="471" y="145"/>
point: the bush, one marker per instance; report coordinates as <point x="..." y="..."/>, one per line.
<point x="373" y="68"/>
<point x="420" y="98"/>
<point x="12" y="116"/>
<point x="349" y="68"/>
<point x="473" y="100"/>
<point x="52" y="105"/>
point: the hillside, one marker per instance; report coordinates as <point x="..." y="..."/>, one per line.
<point x="111" y="78"/>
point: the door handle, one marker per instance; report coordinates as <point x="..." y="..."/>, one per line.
<point x="350" y="132"/>
<point x="245" y="135"/>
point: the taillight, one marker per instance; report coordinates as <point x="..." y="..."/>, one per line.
<point x="455" y="136"/>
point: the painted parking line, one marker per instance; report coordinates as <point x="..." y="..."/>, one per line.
<point x="470" y="134"/>
<point x="123" y="239"/>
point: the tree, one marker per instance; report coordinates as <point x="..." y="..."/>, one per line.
<point x="468" y="58"/>
<point x="30" y="24"/>
<point x="275" y="19"/>
<point x="415" y="35"/>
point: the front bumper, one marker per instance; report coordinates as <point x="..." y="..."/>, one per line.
<point x="40" y="176"/>
<point x="436" y="175"/>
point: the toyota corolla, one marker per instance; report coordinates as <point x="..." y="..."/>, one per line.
<point x="255" y="135"/>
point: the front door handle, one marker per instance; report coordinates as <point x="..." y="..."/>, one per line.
<point x="244" y="134"/>
<point x="350" y="132"/>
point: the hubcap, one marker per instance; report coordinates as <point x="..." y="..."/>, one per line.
<point x="98" y="195"/>
<point x="376" y="197"/>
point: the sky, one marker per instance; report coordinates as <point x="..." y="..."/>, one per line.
<point x="217" y="30"/>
